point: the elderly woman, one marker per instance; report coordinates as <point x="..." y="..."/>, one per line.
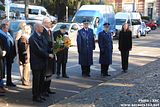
<point x="23" y="50"/>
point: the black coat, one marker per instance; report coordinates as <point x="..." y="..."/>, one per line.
<point x="49" y="42"/>
<point x="62" y="55"/>
<point x="125" y="40"/>
<point x="38" y="52"/>
<point x="22" y="49"/>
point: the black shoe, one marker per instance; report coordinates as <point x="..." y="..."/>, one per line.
<point x="125" y="71"/>
<point x="41" y="97"/>
<point x="108" y="75"/>
<point x="65" y="76"/>
<point x="46" y="94"/>
<point x="88" y="75"/>
<point x="51" y="92"/>
<point x="38" y="100"/>
<point x="11" y="84"/>
<point x="58" y="77"/>
<point x="84" y="75"/>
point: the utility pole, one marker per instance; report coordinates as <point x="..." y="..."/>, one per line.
<point x="134" y="5"/>
<point x="26" y="9"/>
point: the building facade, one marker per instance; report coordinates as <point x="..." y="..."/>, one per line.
<point x="149" y="8"/>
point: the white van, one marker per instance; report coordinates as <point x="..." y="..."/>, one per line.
<point x="97" y="16"/>
<point x="35" y="12"/>
<point x="132" y="18"/>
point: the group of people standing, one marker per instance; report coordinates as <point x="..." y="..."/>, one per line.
<point x="35" y="53"/>
<point x="86" y="45"/>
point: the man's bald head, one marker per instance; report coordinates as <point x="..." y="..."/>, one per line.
<point x="38" y="27"/>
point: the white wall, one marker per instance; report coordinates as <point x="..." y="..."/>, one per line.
<point x="154" y="16"/>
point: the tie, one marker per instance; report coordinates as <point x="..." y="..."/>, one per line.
<point x="49" y="32"/>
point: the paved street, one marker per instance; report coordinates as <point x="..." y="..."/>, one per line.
<point x="145" y="50"/>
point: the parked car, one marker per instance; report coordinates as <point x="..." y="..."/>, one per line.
<point x="151" y="24"/>
<point x="143" y="29"/>
<point x="34" y="12"/>
<point x="72" y="29"/>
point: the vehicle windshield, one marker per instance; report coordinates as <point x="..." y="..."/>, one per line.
<point x="79" y="19"/>
<point x="15" y="9"/>
<point x="120" y="21"/>
<point x="57" y="26"/>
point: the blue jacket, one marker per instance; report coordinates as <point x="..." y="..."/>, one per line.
<point x="106" y="47"/>
<point x="4" y="38"/>
<point x="38" y="52"/>
<point x="86" y="45"/>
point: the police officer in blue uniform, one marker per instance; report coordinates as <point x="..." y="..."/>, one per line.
<point x="106" y="47"/>
<point x="85" y="45"/>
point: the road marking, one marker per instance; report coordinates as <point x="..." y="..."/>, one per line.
<point x="94" y="67"/>
<point x="72" y="66"/>
<point x="71" y="91"/>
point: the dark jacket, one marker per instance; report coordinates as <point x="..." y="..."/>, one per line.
<point x="23" y="47"/>
<point x="49" y="42"/>
<point x="86" y="45"/>
<point x="38" y="52"/>
<point x="106" y="47"/>
<point x="125" y="40"/>
<point x="62" y="55"/>
<point x="1" y="59"/>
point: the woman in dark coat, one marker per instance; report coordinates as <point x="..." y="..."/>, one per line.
<point x="106" y="47"/>
<point x="125" y="45"/>
<point x="86" y="45"/>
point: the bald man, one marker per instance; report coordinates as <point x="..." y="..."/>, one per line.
<point x="38" y="57"/>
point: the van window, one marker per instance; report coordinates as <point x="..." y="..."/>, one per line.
<point x="79" y="19"/>
<point x="43" y="13"/>
<point x="120" y="21"/>
<point x="136" y="22"/>
<point x="14" y="9"/>
<point x="33" y="11"/>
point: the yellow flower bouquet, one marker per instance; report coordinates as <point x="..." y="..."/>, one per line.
<point x="61" y="43"/>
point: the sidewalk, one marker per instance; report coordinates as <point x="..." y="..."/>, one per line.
<point x="134" y="87"/>
<point x="138" y="88"/>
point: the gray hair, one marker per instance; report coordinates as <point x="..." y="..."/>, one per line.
<point x="2" y="26"/>
<point x="46" y="19"/>
<point x="4" y="21"/>
<point x="36" y="25"/>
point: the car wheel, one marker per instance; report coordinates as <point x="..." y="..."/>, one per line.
<point x="153" y="28"/>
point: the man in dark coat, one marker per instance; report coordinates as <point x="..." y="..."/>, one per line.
<point x="10" y="51"/>
<point x="106" y="47"/>
<point x="50" y="67"/>
<point x="38" y="57"/>
<point x="62" y="55"/>
<point x="86" y="45"/>
<point x="2" y="54"/>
